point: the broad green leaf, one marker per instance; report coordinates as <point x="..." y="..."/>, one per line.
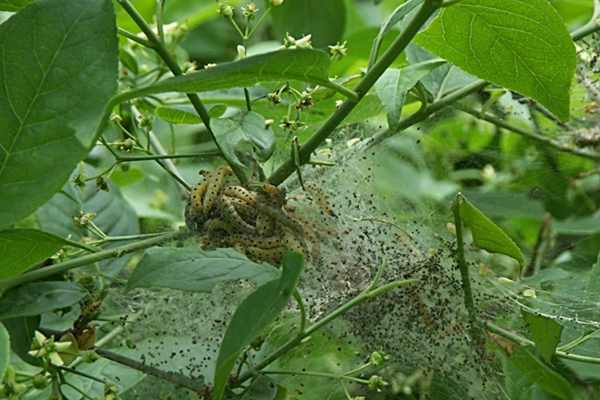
<point x="4" y="350"/>
<point x="486" y="234"/>
<point x="536" y="371"/>
<point x="545" y="333"/>
<point x="401" y="12"/>
<point x="252" y="316"/>
<point x="592" y="290"/>
<point x="39" y="297"/>
<point x="21" y="331"/>
<point x="21" y="249"/>
<point x="305" y="65"/>
<point x="13" y="5"/>
<point x="521" y="45"/>
<point x="114" y="215"/>
<point x="393" y="86"/>
<point x="177" y="116"/>
<point x="58" y="68"/>
<point x="588" y="225"/>
<point x="244" y="137"/>
<point x="123" y="377"/>
<point x="324" y="20"/>
<point x="196" y="270"/>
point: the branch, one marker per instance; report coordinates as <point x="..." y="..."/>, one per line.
<point x="62" y="267"/>
<point x="427" y="111"/>
<point x="530" y="135"/>
<point x="173" y="377"/>
<point x="397" y="47"/>
<point x="164" y="54"/>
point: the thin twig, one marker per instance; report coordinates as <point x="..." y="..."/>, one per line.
<point x="173" y="377"/>
<point x="420" y="18"/>
<point x="65" y="266"/>
<point x="530" y="135"/>
<point x="164" y="54"/>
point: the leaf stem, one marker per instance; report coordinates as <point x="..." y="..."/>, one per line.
<point x="88" y="259"/>
<point x="163" y="53"/>
<point x="464" y="271"/>
<point x="397" y="47"/>
<point x="134" y="38"/>
<point x="361" y="298"/>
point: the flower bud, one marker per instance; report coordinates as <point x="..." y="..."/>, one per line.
<point x="276" y="3"/>
<point x="226" y="10"/>
<point x="241" y="51"/>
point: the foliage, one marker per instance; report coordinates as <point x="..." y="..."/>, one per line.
<point x="228" y="199"/>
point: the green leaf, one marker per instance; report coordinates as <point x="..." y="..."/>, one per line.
<point x="39" y="297"/>
<point x="536" y="371"/>
<point x="114" y="215"/>
<point x="252" y="316"/>
<point x="442" y="80"/>
<point x="393" y="86"/>
<point x="177" y="116"/>
<point x="13" y="5"/>
<point x="196" y="270"/>
<point x="401" y="12"/>
<point x="589" y="225"/>
<point x="4" y="350"/>
<point x="21" y="249"/>
<point x="304" y="65"/>
<point x="521" y="45"/>
<point x="123" y="378"/>
<point x="324" y="20"/>
<point x="244" y="137"/>
<point x="545" y="332"/>
<point x="21" y="331"/>
<point x="59" y="69"/>
<point x="486" y="234"/>
<point x="592" y="290"/>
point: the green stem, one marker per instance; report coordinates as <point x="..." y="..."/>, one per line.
<point x="361" y="298"/>
<point x="428" y="110"/>
<point x="298" y="298"/>
<point x="163" y="53"/>
<point x="589" y="28"/>
<point x="464" y="270"/>
<point x="520" y="340"/>
<point x="88" y="259"/>
<point x="258" y="23"/>
<point x="134" y="38"/>
<point x="397" y="47"/>
<point x="317" y="374"/>
<point x="83" y="374"/>
<point x="530" y="135"/>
